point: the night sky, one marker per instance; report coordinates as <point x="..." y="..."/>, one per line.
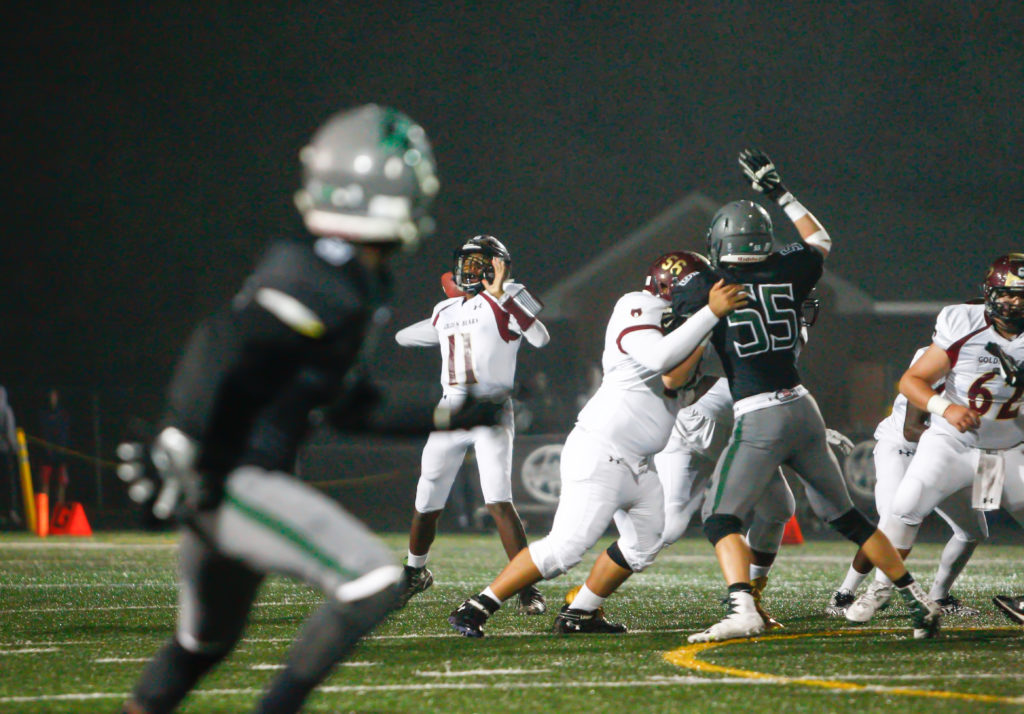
<point x="151" y="148"/>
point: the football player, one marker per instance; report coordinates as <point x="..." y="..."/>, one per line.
<point x="777" y="421"/>
<point x="686" y="463"/>
<point x="896" y="440"/>
<point x="239" y="408"/>
<point x="606" y="469"/>
<point x="975" y="427"/>
<point x="479" y="331"/>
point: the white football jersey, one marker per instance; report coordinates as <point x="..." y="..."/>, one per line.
<point x="479" y="342"/>
<point x="974" y="379"/>
<point x="631" y="410"/>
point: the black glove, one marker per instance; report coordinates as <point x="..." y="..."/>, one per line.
<point x="1012" y="370"/>
<point x="472" y="412"/>
<point x="762" y="174"/>
<point x="353" y="409"/>
<point x="669" y="320"/>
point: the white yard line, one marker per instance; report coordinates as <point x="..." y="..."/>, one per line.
<point x="478" y="672"/>
<point x="29" y="650"/>
<point x="120" y="660"/>
<point x="65" y="545"/>
<point x="417" y="687"/>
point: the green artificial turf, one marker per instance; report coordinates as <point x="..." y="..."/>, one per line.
<point x="79" y="616"/>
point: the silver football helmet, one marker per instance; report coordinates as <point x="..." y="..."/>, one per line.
<point x="369" y="177"/>
<point x="740" y="232"/>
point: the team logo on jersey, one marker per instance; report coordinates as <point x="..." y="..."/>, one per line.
<point x="635" y="312"/>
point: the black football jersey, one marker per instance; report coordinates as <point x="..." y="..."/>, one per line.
<point x="251" y="373"/>
<point x="759" y="343"/>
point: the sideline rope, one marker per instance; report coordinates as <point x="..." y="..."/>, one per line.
<point x="70" y="452"/>
<point x="334" y="483"/>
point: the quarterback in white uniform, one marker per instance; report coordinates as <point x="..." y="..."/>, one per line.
<point x="606" y="461"/>
<point x="978" y="350"/>
<point x="896" y="439"/>
<point x="479" y="332"/>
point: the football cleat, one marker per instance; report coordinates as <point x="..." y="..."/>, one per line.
<point x="952" y="606"/>
<point x="416" y="581"/>
<point x="468" y="618"/>
<point x="924" y="612"/>
<point x="839" y="602"/>
<point x="874" y="599"/>
<point x="757" y="586"/>
<point x="531" y="602"/>
<point x="1012" y="607"/>
<point x="572" y="621"/>
<point x="743" y="620"/>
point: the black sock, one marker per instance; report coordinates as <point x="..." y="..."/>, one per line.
<point x="740" y="588"/>
<point x="169" y="676"/>
<point x="491" y="605"/>
<point x="904" y="581"/>
<point x="328" y="636"/>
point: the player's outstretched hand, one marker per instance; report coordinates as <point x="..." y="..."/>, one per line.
<point x="496" y="287"/>
<point x="472" y="412"/>
<point x="963" y="418"/>
<point x="723" y="298"/>
<point x="762" y="174"/>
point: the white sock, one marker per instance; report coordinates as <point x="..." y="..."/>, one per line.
<point x="853" y="580"/>
<point x="759" y="571"/>
<point x="882" y="578"/>
<point x="586" y="600"/>
<point x="416" y="561"/>
<point x="954" y="557"/>
<point x="490" y="593"/>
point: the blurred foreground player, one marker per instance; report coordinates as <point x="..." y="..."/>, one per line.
<point x="240" y="404"/>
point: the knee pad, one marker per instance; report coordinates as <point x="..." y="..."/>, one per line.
<point x="854" y="525"/>
<point x="615" y="553"/>
<point x="719" y="525"/>
<point x="382" y="580"/>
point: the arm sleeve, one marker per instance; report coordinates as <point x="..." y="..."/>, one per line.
<point x="659" y="352"/>
<point x="420" y="334"/>
<point x="536" y="334"/>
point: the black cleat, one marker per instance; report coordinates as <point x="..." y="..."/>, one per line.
<point x="416" y="581"/>
<point x="570" y="621"/>
<point x="468" y="618"/>
<point x="1012" y="607"/>
<point x="839" y="602"/>
<point x="531" y="602"/>
<point x="952" y="606"/>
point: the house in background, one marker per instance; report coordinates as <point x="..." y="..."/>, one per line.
<point x="857" y="350"/>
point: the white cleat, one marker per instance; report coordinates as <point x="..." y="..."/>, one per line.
<point x="925" y="613"/>
<point x="875" y="598"/>
<point x="743" y="620"/>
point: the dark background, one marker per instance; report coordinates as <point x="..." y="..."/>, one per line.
<point x="151" y="151"/>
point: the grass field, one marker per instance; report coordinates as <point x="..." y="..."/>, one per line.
<point x="78" y="617"/>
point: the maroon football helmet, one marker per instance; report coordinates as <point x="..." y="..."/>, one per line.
<point x="669" y="269"/>
<point x="1005" y="277"/>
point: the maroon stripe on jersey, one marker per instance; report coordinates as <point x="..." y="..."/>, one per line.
<point x="634" y="328"/>
<point x="953" y="351"/>
<point x="452" y="378"/>
<point x="467" y="354"/>
<point x="439" y="313"/>
<point x="501" y="318"/>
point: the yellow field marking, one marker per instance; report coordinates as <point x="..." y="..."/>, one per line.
<point x="687" y="657"/>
